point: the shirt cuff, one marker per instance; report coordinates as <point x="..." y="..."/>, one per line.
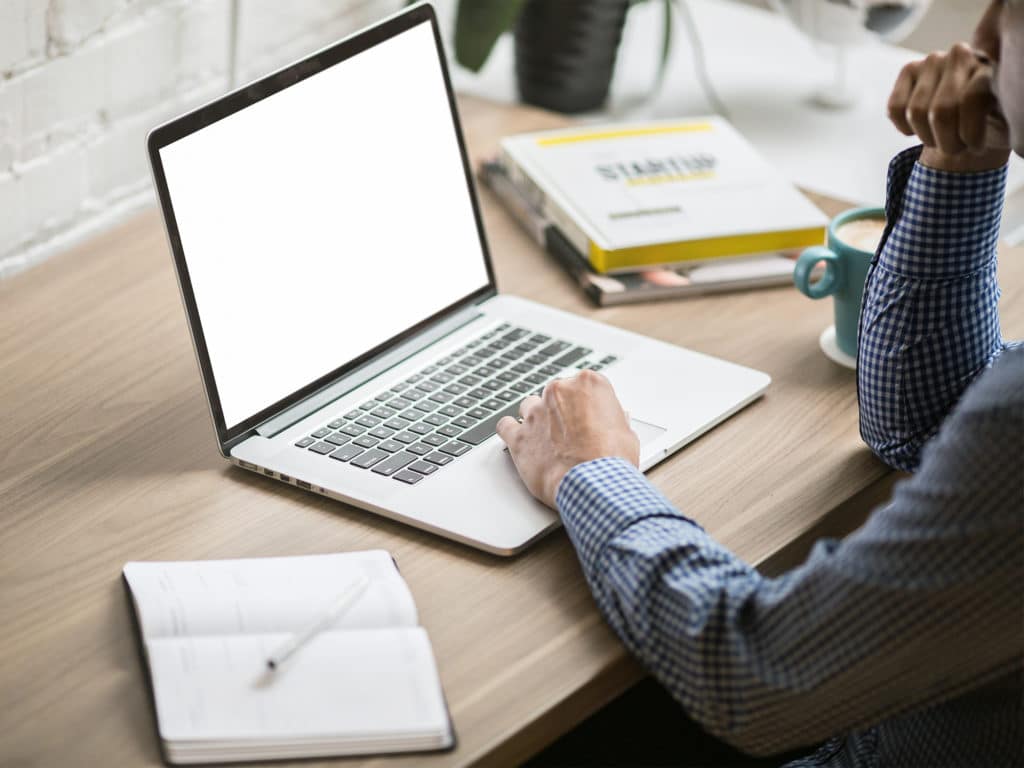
<point x="941" y="224"/>
<point x="600" y="499"/>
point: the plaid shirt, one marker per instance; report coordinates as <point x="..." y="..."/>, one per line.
<point x="902" y="644"/>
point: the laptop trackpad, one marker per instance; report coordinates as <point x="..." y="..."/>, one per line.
<point x="646" y="432"/>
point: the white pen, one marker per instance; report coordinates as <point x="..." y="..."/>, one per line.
<point x="345" y="600"/>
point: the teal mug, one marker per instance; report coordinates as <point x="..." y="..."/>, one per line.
<point x="846" y="260"/>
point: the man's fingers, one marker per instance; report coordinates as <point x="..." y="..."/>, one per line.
<point x="977" y="107"/>
<point x="945" y="110"/>
<point x="900" y="97"/>
<point x="528" y="406"/>
<point x="507" y="428"/>
<point x="919" y="105"/>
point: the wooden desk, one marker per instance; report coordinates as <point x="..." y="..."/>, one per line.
<point x="108" y="455"/>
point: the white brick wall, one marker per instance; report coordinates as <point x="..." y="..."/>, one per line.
<point x="83" y="81"/>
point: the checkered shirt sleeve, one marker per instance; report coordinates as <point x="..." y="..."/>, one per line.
<point x="892" y="647"/>
<point x="929" y="323"/>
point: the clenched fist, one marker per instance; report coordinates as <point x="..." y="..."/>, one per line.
<point x="947" y="100"/>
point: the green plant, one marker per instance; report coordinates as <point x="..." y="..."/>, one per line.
<point x="479" y="24"/>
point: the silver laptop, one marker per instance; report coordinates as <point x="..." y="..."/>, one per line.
<point x="351" y="338"/>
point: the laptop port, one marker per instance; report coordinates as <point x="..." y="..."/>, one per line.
<point x="304" y="484"/>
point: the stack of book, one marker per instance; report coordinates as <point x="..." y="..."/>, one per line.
<point x="637" y="212"/>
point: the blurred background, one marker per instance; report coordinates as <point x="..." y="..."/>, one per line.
<point x="82" y="82"/>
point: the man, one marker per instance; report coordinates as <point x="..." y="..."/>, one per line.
<point x="903" y="644"/>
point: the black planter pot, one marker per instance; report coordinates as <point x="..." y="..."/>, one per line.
<point x="565" y="52"/>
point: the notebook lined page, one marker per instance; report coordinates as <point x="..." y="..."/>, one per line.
<point x="365" y="686"/>
<point x="266" y="595"/>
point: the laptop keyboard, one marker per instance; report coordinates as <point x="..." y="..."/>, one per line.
<point x="430" y="419"/>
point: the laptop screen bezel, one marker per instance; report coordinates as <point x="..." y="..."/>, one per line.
<point x="254" y="92"/>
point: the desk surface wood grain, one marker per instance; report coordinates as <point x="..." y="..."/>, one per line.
<point x="108" y="455"/>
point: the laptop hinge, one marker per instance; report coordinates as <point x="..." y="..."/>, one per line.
<point x="350" y="381"/>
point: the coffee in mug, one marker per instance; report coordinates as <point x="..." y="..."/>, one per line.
<point x="853" y="238"/>
<point x="862" y="234"/>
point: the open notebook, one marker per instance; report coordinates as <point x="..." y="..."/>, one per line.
<point x="368" y="684"/>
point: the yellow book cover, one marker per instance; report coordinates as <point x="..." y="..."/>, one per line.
<point x="660" y="193"/>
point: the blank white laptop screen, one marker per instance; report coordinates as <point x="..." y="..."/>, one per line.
<point x="323" y="220"/>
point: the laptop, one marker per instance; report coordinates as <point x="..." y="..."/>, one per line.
<point x="351" y="338"/>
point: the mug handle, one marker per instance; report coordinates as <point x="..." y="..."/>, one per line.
<point x="805" y="264"/>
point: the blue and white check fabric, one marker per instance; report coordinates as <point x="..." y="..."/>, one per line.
<point x="903" y="644"/>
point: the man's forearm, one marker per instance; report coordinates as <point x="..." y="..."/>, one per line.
<point x="929" y="322"/>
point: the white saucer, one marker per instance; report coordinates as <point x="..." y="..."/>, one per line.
<point x="827" y="340"/>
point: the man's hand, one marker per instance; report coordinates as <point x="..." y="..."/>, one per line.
<point x="576" y="420"/>
<point x="946" y="99"/>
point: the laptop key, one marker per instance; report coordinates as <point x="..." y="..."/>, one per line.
<point x="336" y="423"/>
<point x="550" y="370"/>
<point x="401" y="386"/>
<point x="413" y="394"/>
<point x="536" y="378"/>
<point x="435" y="440"/>
<point x="337" y="439"/>
<point x="353" y="415"/>
<point x="537" y="359"/>
<point x="442" y="378"/>
<point x="368" y="421"/>
<point x="456" y="370"/>
<point x="454" y="448"/>
<point x="396" y="424"/>
<point x="381" y="432"/>
<point x="410" y="415"/>
<point x="507" y="377"/>
<point x="323" y="432"/>
<point x="554" y="348"/>
<point x="441" y="397"/>
<point x="455" y="389"/>
<point x="464" y="421"/>
<point x="399" y="404"/>
<point x="421" y="429"/>
<point x="438" y="458"/>
<point x="486" y="428"/>
<point x="523" y="368"/>
<point x="426" y="406"/>
<point x="428" y="386"/>
<point x="322" y="448"/>
<point x="410" y="478"/>
<point x="539" y="338"/>
<point x="305" y="442"/>
<point x="366" y="441"/>
<point x="420" y="449"/>
<point x="450" y="411"/>
<point x="423" y="467"/>
<point x="449" y="430"/>
<point x="393" y="464"/>
<point x="522" y="387"/>
<point x="436" y="419"/>
<point x="499" y="363"/>
<point x="571" y="357"/>
<point x="508" y="396"/>
<point x="470" y="380"/>
<point x="384" y="412"/>
<point x="406" y="437"/>
<point x="369" y="458"/>
<point x="464" y="402"/>
<point x="353" y="430"/>
<point x="369" y="405"/>
<point x="478" y="413"/>
<point x="383" y="397"/>
<point x="391" y="446"/>
<point x="493" y="384"/>
<point x="346" y="453"/>
<point x="414" y="379"/>
<point x="492" y="404"/>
